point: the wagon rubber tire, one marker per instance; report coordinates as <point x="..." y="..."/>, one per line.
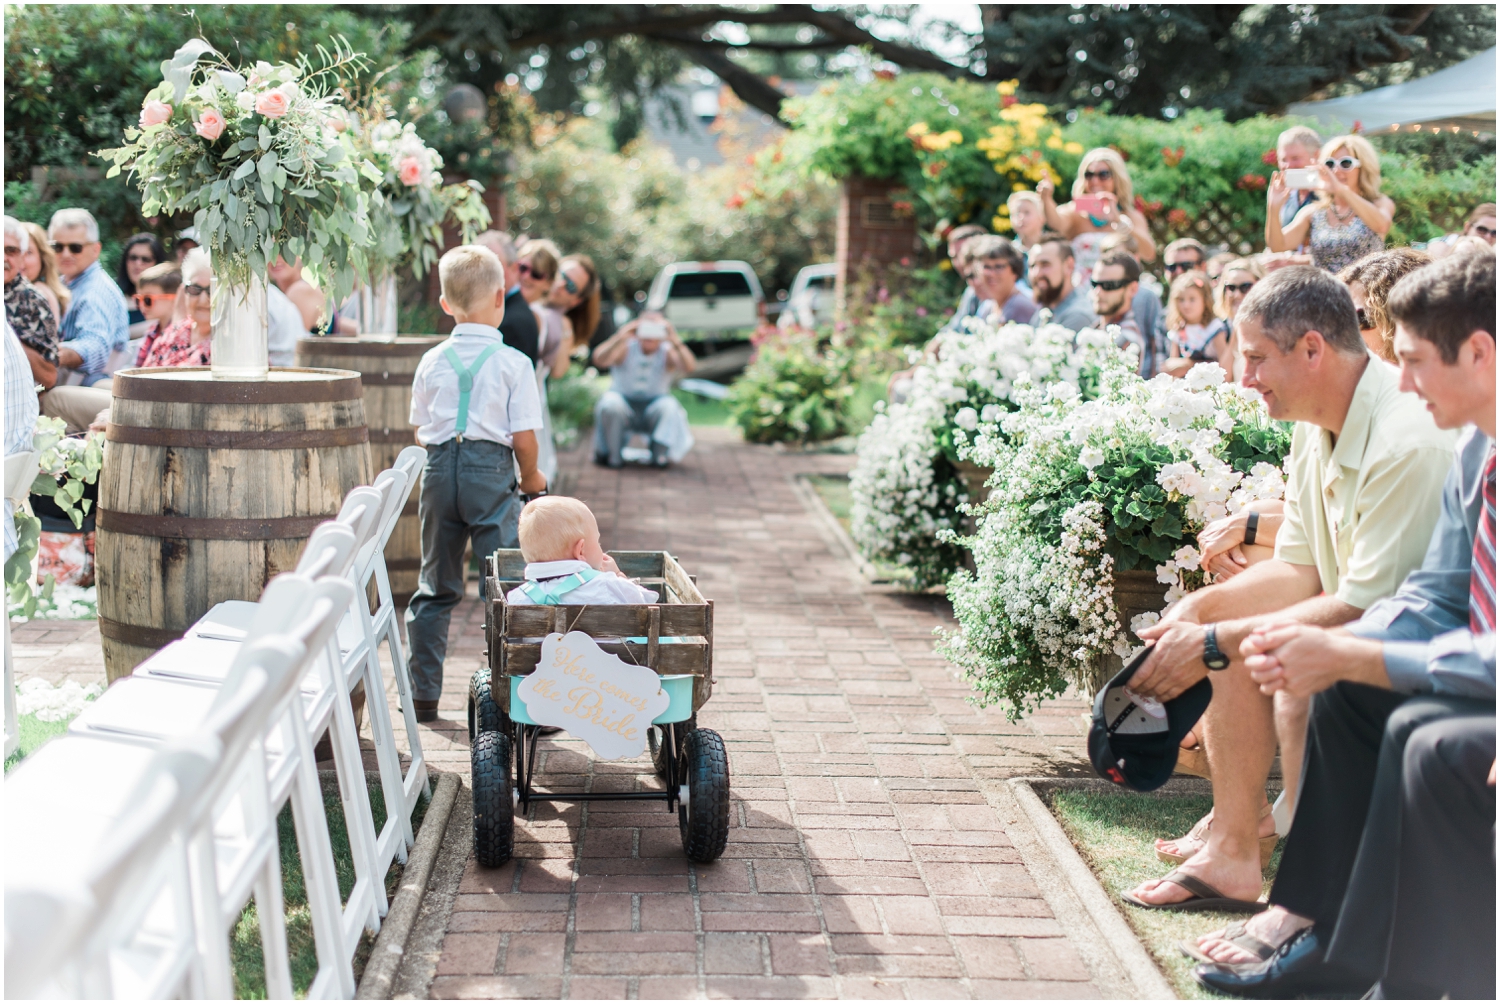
<point x="704" y="820"/>
<point x="484" y="713"/>
<point x="494" y="809"/>
<point x="654" y="739"/>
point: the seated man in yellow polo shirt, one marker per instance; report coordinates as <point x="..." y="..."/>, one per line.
<point x="1364" y="490"/>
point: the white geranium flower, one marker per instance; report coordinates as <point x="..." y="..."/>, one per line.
<point x="966" y="418"/>
<point x="1091" y="457"/>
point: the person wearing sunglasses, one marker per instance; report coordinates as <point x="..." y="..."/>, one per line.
<point x="1115" y="282"/>
<point x="169" y="341"/>
<point x="518" y="328"/>
<point x="1183" y="256"/>
<point x="140" y="253"/>
<point x="27" y="310"/>
<point x="1235" y="282"/>
<point x="1103" y="206"/>
<point x="1350" y="217"/>
<point x="1370" y="280"/>
<point x="96" y="328"/>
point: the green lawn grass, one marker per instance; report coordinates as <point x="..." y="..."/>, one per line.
<point x="703" y="410"/>
<point x="33" y="732"/>
<point x="249" y="961"/>
<point x="1114" y="831"/>
<point x="834" y="491"/>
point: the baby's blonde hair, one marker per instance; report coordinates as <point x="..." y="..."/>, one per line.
<point x="551" y="525"/>
<point x="470" y="275"/>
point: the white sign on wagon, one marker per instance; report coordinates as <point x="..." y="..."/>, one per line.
<point x="607" y="703"/>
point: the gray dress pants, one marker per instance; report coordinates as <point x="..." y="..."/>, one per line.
<point x="469" y="492"/>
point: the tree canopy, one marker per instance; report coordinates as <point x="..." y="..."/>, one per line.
<point x="1147" y="59"/>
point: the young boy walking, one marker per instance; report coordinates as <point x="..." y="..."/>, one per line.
<point x="475" y="405"/>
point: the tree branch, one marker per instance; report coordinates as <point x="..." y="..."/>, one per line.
<point x="750" y="87"/>
<point x="847" y="31"/>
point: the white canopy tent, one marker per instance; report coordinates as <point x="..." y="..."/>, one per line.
<point x="1461" y="97"/>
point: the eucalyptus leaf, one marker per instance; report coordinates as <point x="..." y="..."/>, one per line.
<point x="244" y="170"/>
<point x="230" y="81"/>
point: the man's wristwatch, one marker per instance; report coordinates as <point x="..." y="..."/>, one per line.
<point x="1252" y="522"/>
<point x="528" y="499"/>
<point x="1212" y="657"/>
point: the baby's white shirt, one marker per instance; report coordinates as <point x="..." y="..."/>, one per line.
<point x="606" y="588"/>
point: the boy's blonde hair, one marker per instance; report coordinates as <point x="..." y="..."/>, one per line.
<point x="551" y="525"/>
<point x="470" y="275"/>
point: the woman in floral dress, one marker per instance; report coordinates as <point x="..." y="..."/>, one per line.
<point x="1350" y="218"/>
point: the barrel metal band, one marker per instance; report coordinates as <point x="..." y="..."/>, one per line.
<point x="393" y="437"/>
<point x="141" y="385"/>
<point x="137" y="634"/>
<point x="232" y="439"/>
<point x="387" y="379"/>
<point x="403" y="345"/>
<point x="200" y="528"/>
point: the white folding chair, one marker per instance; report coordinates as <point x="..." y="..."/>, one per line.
<point x="238" y="853"/>
<point x="20" y="472"/>
<point x="386" y="622"/>
<point x="97" y="895"/>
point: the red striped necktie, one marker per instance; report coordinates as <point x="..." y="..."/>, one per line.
<point x="1482" y="581"/>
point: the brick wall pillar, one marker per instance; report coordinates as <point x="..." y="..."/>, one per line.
<point x="870" y="230"/>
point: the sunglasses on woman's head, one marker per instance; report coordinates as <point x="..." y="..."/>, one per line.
<point x="1347" y="163"/>
<point x="1110" y="285"/>
<point x="148" y="300"/>
<point x="1242" y="287"/>
<point x="193" y="289"/>
<point x="1103" y="174"/>
<point x="58" y="247"/>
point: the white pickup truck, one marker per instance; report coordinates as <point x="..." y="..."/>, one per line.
<point x="708" y="299"/>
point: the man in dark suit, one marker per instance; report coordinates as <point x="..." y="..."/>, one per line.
<point x="518" y="328"/>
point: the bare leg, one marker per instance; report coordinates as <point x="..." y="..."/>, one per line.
<point x="1291" y="729"/>
<point x="1239" y="734"/>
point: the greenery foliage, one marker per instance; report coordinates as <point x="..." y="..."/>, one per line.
<point x="794" y="391"/>
<point x="65" y="468"/>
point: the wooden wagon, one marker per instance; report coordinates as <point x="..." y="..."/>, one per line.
<point x="673" y="637"/>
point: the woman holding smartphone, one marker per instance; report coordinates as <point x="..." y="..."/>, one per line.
<point x="1103" y="205"/>
<point x="1350" y="218"/>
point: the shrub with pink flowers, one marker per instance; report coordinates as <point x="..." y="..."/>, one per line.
<point x="259" y="156"/>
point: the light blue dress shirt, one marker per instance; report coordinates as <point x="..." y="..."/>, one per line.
<point x="96" y="323"/>
<point x="1428" y="646"/>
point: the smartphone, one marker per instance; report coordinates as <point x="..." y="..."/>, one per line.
<point x="1304" y="179"/>
<point x="651" y="330"/>
<point x="1091" y="204"/>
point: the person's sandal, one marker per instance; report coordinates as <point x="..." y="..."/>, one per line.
<point x="1236" y="935"/>
<point x="1198" y="836"/>
<point x="1204" y="897"/>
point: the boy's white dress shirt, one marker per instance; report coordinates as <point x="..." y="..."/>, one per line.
<point x="602" y="589"/>
<point x="503" y="400"/>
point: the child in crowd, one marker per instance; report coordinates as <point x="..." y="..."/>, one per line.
<point x="169" y="337"/>
<point x="1197" y="336"/>
<point x="564" y="562"/>
<point x="474" y="403"/>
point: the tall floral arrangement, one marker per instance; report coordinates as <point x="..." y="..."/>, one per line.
<point x="906" y="487"/>
<point x="1087" y="488"/>
<point x="256" y="155"/>
<point x="407" y="221"/>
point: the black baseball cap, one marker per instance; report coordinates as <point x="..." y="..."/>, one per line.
<point x="1134" y="740"/>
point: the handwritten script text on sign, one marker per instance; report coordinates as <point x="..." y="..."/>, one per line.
<point x="607" y="703"/>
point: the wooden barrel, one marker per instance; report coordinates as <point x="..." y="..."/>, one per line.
<point x="209" y="489"/>
<point x="386" y="367"/>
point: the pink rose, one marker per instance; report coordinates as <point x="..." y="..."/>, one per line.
<point x="272" y="104"/>
<point x="410" y="171"/>
<point x="155" y="113"/>
<point x="210" y="124"/>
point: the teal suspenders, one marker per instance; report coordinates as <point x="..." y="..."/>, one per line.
<point x="466" y="383"/>
<point x="553" y="593"/>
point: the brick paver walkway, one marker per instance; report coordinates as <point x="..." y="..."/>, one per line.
<point x="865" y="859"/>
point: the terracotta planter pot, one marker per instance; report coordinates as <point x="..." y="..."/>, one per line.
<point x="1136" y="592"/>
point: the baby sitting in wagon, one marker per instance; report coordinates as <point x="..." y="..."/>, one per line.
<point x="564" y="562"/>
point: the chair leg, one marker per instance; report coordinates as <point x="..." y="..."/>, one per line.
<point x="271" y="909"/>
<point x="213" y="940"/>
<point x="398" y="815"/>
<point x="359" y="820"/>
<point x="335" y="958"/>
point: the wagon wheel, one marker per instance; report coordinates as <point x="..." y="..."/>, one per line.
<point x="484" y="712"/>
<point x="703" y="816"/>
<point x="656" y="739"/>
<point x="494" y="806"/>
